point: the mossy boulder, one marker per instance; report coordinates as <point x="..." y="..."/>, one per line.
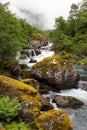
<point x="53" y="120"/>
<point x="25" y="73"/>
<point x="27" y="95"/>
<point x="34" y="83"/>
<point x="56" y="72"/>
<point x="67" y="102"/>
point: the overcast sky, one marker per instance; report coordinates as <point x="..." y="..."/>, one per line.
<point x="41" y="13"/>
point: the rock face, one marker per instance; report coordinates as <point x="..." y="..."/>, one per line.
<point x="56" y="72"/>
<point x="67" y="102"/>
<point x="27" y="95"/>
<point x="53" y="120"/>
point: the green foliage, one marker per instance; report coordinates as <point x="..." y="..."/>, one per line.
<point x="71" y="35"/>
<point x="23" y="56"/>
<point x="9" y="108"/>
<point x="14" y="33"/>
<point x="16" y="126"/>
<point x="83" y="61"/>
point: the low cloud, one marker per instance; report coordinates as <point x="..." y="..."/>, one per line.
<point x="35" y="19"/>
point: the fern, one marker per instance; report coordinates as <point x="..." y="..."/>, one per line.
<point x="16" y="126"/>
<point x="9" y="108"/>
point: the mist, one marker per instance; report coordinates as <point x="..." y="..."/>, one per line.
<point x="35" y="19"/>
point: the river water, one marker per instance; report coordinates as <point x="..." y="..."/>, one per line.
<point x="78" y="116"/>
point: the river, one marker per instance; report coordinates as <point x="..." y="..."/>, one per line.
<point x="78" y="116"/>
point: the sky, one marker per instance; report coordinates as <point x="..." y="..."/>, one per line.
<point x="41" y="13"/>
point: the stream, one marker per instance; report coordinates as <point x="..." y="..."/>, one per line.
<point x="78" y="116"/>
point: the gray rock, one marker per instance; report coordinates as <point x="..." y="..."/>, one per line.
<point x="55" y="72"/>
<point x="67" y="102"/>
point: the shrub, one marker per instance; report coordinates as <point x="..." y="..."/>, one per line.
<point x="9" y="108"/>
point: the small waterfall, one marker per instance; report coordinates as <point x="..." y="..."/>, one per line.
<point x="32" y="53"/>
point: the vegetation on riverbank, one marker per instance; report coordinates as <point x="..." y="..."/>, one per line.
<point x="70" y="41"/>
<point x="71" y="35"/>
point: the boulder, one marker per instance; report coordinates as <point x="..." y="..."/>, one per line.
<point x="25" y="73"/>
<point x="24" y="66"/>
<point x="32" y="60"/>
<point x="34" y="83"/>
<point x="27" y="95"/>
<point x="46" y="105"/>
<point x="35" y="43"/>
<point x="56" y="72"/>
<point x="15" y="70"/>
<point x="53" y="120"/>
<point x="67" y="102"/>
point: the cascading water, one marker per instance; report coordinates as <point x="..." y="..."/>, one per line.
<point x="32" y="53"/>
<point x="45" y="52"/>
<point x="78" y="116"/>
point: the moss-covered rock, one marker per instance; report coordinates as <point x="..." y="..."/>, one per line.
<point x="53" y="120"/>
<point x="25" y="73"/>
<point x="56" y="72"/>
<point x="34" y="83"/>
<point x="27" y="95"/>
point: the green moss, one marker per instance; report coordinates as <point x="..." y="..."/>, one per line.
<point x="52" y="63"/>
<point x="23" y="56"/>
<point x="83" y="61"/>
<point x="54" y="120"/>
<point x="34" y="83"/>
<point x="24" y="92"/>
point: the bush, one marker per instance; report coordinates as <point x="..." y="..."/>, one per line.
<point x="9" y="108"/>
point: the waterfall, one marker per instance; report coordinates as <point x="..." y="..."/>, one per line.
<point x="32" y="53"/>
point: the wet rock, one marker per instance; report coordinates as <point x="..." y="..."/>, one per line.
<point x="32" y="61"/>
<point x="27" y="95"/>
<point x="67" y="102"/>
<point x="37" y="51"/>
<point x="45" y="104"/>
<point x="15" y="70"/>
<point x="53" y="120"/>
<point x="25" y="73"/>
<point x="56" y="72"/>
<point x="82" y="85"/>
<point x="35" y="43"/>
<point x="24" y="66"/>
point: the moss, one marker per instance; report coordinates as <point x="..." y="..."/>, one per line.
<point x="83" y="61"/>
<point x="34" y="83"/>
<point x="52" y="63"/>
<point x="24" y="92"/>
<point x="54" y="120"/>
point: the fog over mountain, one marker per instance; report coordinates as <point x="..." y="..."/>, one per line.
<point x="41" y="13"/>
<point x="36" y="19"/>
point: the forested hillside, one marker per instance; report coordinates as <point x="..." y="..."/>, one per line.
<point x="14" y="33"/>
<point x="71" y="35"/>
